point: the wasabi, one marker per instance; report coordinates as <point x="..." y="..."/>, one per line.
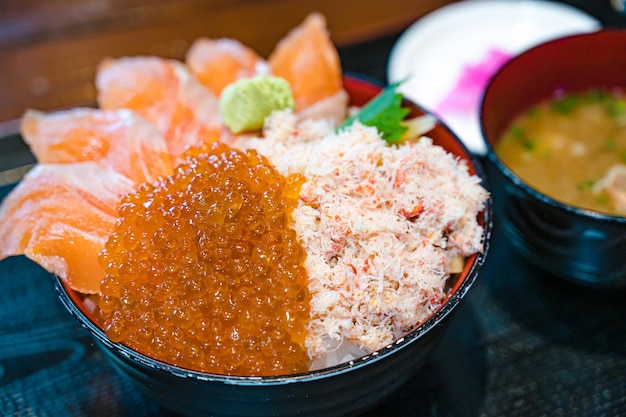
<point x="246" y="103"/>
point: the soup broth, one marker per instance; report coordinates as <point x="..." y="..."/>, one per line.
<point x="573" y="149"/>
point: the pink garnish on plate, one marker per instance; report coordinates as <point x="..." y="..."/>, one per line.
<point x="465" y="95"/>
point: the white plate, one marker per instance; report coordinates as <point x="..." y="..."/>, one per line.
<point x="447" y="57"/>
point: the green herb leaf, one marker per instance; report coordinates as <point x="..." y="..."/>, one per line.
<point x="603" y="199"/>
<point x="566" y="104"/>
<point x="585" y="185"/>
<point x="609" y="144"/>
<point x="385" y="112"/>
<point x="519" y="134"/>
<point x="616" y="108"/>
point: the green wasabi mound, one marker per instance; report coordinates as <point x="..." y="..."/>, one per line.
<point x="246" y="103"/>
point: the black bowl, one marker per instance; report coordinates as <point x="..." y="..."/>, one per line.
<point x="579" y="245"/>
<point x="343" y="390"/>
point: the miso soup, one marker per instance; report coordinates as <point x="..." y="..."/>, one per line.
<point x="573" y="149"/>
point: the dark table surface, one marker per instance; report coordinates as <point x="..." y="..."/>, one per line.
<point x="522" y="343"/>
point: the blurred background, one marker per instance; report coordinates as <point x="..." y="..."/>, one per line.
<point x="49" y="49"/>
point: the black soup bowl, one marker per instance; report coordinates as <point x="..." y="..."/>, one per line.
<point x="342" y="390"/>
<point x="582" y="246"/>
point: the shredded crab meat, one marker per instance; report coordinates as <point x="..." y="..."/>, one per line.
<point x="381" y="226"/>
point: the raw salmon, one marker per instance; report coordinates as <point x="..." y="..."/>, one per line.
<point x="219" y="62"/>
<point x="60" y="216"/>
<point x="307" y="58"/>
<point x="166" y="94"/>
<point x="126" y="142"/>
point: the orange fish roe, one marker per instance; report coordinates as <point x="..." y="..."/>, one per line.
<point x="204" y="271"/>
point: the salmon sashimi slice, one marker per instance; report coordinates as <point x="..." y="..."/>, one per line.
<point x="219" y="62"/>
<point x="307" y="58"/>
<point x="166" y="93"/>
<point x="125" y="141"/>
<point x="55" y="218"/>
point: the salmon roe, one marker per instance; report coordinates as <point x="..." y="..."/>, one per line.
<point x="203" y="270"/>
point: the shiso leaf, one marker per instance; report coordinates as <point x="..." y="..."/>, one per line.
<point x="385" y="112"/>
